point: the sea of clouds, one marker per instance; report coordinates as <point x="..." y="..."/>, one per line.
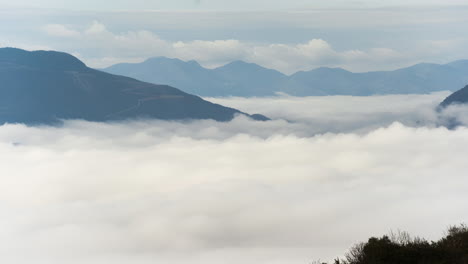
<point x="325" y="173"/>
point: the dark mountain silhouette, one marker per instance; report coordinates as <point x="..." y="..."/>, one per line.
<point x="458" y="97"/>
<point x="46" y="86"/>
<point x="247" y="79"/>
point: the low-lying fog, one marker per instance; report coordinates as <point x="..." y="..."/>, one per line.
<point x="326" y="173"/>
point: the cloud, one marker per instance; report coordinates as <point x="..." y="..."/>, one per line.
<point x="314" y="115"/>
<point x="100" y="44"/>
<point x="96" y="28"/>
<point x="57" y="30"/>
<point x="211" y="53"/>
<point x="359" y="40"/>
<point x="241" y="191"/>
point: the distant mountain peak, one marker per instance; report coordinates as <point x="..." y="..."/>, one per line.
<point x="162" y="58"/>
<point x="240" y="64"/>
<point x="247" y="68"/>
<point x="331" y="69"/>
<point x="323" y="71"/>
<point x="170" y="61"/>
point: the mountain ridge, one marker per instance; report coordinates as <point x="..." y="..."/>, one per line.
<point x="240" y="78"/>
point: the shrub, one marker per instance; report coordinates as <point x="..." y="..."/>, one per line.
<point x="401" y="248"/>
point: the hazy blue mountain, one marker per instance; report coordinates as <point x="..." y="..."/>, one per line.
<point x="322" y="81"/>
<point x="190" y="75"/>
<point x="45" y="86"/>
<point x="417" y="79"/>
<point x="237" y="78"/>
<point x="247" y="79"/>
<point x="458" y="97"/>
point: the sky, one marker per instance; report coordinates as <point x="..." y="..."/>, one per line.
<point x="288" y="36"/>
<point x="233" y="192"/>
<point x="224" y="5"/>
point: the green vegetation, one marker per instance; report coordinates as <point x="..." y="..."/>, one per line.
<point x="401" y="248"/>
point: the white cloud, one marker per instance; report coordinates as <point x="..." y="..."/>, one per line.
<point x="235" y="192"/>
<point x="273" y="39"/>
<point x="211" y="53"/>
<point x="100" y="44"/>
<point x="96" y="28"/>
<point x="312" y="115"/>
<point x="291" y="58"/>
<point x="57" y="30"/>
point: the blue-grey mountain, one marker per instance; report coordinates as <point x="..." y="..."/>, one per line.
<point x="458" y="97"/>
<point x="236" y="78"/>
<point x="45" y="87"/>
<point x="247" y="79"/>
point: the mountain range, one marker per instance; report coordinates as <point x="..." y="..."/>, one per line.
<point x="247" y="79"/>
<point x="47" y="86"/>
